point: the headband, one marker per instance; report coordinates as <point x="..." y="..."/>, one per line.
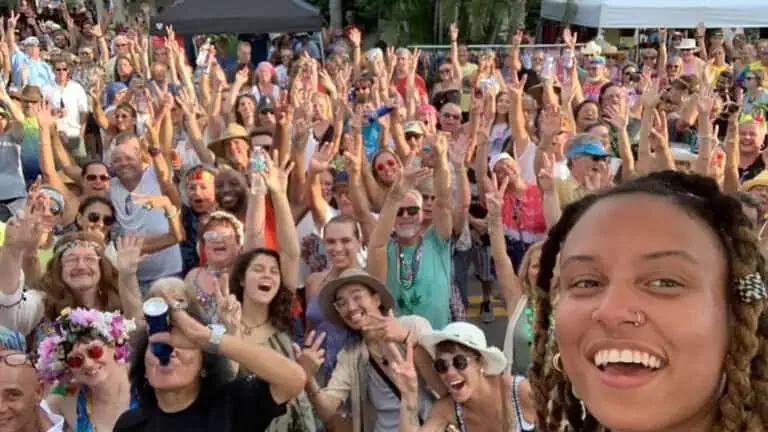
<point x="498" y="158"/>
<point x="59" y="251"/>
<point x="201" y="174"/>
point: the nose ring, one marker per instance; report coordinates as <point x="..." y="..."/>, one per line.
<point x="639" y="320"/>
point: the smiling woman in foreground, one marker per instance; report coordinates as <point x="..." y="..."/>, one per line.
<point x="659" y="299"/>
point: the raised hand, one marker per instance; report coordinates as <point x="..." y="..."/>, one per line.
<point x="385" y="328"/>
<point x="453" y="31"/>
<point x="550" y="121"/>
<point x="312" y="356"/>
<point x="151" y="201"/>
<point x="569" y="38"/>
<point x="321" y="160"/>
<point x="228" y="309"/>
<point x="129" y="254"/>
<point x="276" y="176"/>
<point x="355" y="37"/>
<point x="409" y="178"/>
<point x="23" y="232"/>
<point x="494" y="198"/>
<point x="186" y="332"/>
<point x="241" y="77"/>
<point x="546" y="176"/>
<point x="404" y="370"/>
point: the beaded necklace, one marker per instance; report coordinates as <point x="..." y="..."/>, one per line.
<point x="406" y="276"/>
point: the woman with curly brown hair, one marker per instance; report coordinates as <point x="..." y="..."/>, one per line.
<point x="266" y="319"/>
<point x="660" y="295"/>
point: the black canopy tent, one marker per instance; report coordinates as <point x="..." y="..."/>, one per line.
<point x="238" y="16"/>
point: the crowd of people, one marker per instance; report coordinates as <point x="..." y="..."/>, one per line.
<point x="312" y="226"/>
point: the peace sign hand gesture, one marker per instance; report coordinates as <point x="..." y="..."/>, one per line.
<point x="494" y="198"/>
<point x="228" y="308"/>
<point x="276" y="177"/>
<point x="312" y="357"/>
<point x="404" y="373"/>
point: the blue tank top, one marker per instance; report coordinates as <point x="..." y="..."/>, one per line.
<point x="83" y="419"/>
<point x="335" y="338"/>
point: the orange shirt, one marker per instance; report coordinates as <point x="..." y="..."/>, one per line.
<point x="270" y="226"/>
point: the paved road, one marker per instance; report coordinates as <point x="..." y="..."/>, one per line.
<point x="493" y="331"/>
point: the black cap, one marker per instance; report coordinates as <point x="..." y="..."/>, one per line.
<point x="266" y="104"/>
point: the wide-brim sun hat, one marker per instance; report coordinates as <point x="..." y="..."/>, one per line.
<point x="233" y="131"/>
<point x="687" y="44"/>
<point x="347" y="277"/>
<point x="469" y="336"/>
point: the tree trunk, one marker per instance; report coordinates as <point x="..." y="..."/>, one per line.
<point x="334" y="10"/>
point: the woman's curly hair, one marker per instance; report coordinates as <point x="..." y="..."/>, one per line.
<point x="281" y="306"/>
<point x="743" y="406"/>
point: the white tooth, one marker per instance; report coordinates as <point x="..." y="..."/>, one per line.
<point x="597" y="359"/>
<point x="637" y="357"/>
<point x="646" y="359"/>
<point x="614" y="356"/>
<point x="626" y="356"/>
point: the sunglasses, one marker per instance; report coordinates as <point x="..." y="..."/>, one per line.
<point x="94" y="177"/>
<point x="412" y="211"/>
<point x="749" y="78"/>
<point x="459" y="362"/>
<point x="445" y="71"/>
<point x="56" y="208"/>
<point x="213" y="236"/>
<point x="649" y="58"/>
<point x="94" y="352"/>
<point x="382" y="165"/>
<point x="410" y="136"/>
<point x="121" y="45"/>
<point x="95" y="217"/>
<point x="451" y="116"/>
<point x="62" y="69"/>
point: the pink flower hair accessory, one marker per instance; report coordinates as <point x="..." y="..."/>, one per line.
<point x="72" y="326"/>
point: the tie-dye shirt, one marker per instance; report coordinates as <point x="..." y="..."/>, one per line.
<point x="30" y="150"/>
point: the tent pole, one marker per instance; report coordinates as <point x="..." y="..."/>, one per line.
<point x="637" y="45"/>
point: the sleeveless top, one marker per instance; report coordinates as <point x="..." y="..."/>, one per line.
<point x="518" y="338"/>
<point x="83" y="423"/>
<point x="335" y="338"/>
<point x="520" y="424"/>
<point x="299" y="414"/>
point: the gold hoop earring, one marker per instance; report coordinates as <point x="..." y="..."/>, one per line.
<point x="556" y="362"/>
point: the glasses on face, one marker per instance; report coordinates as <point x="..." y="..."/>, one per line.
<point x="71" y="261"/>
<point x="62" y="69"/>
<point x="412" y="136"/>
<point x="411" y="210"/>
<point x="451" y="116"/>
<point x="120" y="45"/>
<point x="17" y="360"/>
<point x="649" y="58"/>
<point x="94" y="352"/>
<point x="213" y="236"/>
<point x="106" y="219"/>
<point x="459" y="362"/>
<point x="749" y="78"/>
<point x="541" y="59"/>
<point x="56" y="208"/>
<point x="673" y="67"/>
<point x="357" y="297"/>
<point x="445" y="71"/>
<point x="94" y="177"/>
<point x="383" y="165"/>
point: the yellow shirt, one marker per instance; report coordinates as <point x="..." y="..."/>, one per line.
<point x="468" y="69"/>
<point x="717" y="70"/>
<point x="758" y="67"/>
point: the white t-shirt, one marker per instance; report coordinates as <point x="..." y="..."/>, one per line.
<point x="75" y="102"/>
<point x="24" y="315"/>
<point x="134" y="218"/>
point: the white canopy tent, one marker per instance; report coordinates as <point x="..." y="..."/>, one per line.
<point x="657" y="13"/>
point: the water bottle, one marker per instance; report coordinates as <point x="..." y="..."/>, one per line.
<point x="204" y="55"/>
<point x="381" y="112"/>
<point x="527" y="60"/>
<point x="568" y="58"/>
<point x="548" y="68"/>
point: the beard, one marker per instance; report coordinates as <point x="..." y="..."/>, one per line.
<point x="407" y="231"/>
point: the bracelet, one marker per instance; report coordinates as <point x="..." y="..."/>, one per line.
<point x="175" y="213"/>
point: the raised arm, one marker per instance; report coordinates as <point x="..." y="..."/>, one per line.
<point x="276" y="179"/>
<point x="129" y="256"/>
<point x="377" y="248"/>
<point x="505" y="271"/>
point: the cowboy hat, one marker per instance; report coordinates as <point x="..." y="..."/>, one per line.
<point x="233" y="131"/>
<point x="352" y="276"/>
<point x="470" y="336"/>
<point x="31" y="93"/>
<point x="591" y="48"/>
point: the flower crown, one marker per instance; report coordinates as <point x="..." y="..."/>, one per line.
<point x="73" y="325"/>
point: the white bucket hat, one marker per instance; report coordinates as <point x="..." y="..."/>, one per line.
<point x="681" y="153"/>
<point x="687" y="44"/>
<point x="470" y="336"/>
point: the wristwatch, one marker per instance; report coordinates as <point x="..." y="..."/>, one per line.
<point x="214" y="341"/>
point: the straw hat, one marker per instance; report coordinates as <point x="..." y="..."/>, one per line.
<point x="31" y="93"/>
<point x="233" y="131"/>
<point x="688" y="44"/>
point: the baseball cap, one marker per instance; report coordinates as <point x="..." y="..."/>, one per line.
<point x="589" y="149"/>
<point x="413" y="127"/>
